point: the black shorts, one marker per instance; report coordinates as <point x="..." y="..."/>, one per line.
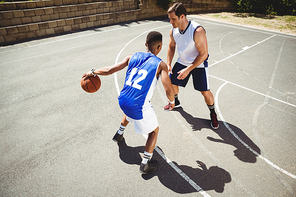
<point x="199" y="76"/>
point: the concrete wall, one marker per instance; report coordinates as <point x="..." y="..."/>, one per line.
<point x="23" y="20"/>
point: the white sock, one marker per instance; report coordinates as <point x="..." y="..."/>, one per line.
<point x="146" y="157"/>
<point x="121" y="130"/>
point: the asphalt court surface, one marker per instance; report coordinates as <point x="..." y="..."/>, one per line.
<point x="55" y="139"/>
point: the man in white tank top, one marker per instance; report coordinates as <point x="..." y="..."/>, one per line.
<point x="191" y="42"/>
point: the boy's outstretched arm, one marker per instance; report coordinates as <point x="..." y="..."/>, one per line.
<point x="109" y="69"/>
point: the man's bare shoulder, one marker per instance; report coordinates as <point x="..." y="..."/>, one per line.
<point x="199" y="34"/>
<point x="200" y="30"/>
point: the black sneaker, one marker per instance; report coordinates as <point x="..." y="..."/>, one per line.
<point x="177" y="104"/>
<point x="214" y="121"/>
<point x="117" y="137"/>
<point x="148" y="167"/>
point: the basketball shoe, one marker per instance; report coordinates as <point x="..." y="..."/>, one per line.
<point x="148" y="167"/>
<point x="214" y="121"/>
<point x="117" y="137"/>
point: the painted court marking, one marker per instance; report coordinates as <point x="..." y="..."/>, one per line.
<point x="240" y="140"/>
<point x="181" y="173"/>
<point x="265" y="95"/>
<point x="244" y="49"/>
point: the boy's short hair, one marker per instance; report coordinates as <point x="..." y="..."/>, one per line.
<point x="153" y="36"/>
<point x="178" y="8"/>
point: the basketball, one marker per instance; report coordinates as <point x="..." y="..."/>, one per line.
<point x="91" y="84"/>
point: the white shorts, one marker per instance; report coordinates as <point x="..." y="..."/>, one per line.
<point x="149" y="122"/>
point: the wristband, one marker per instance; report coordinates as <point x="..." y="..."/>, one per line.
<point x="92" y="72"/>
<point x="172" y="102"/>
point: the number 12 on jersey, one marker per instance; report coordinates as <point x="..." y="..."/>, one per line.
<point x="142" y="73"/>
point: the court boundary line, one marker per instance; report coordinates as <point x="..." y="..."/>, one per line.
<point x="181" y="173"/>
<point x="240" y="140"/>
<point x="244" y="49"/>
<point x="256" y="116"/>
<point x="202" y="146"/>
<point x="265" y="95"/>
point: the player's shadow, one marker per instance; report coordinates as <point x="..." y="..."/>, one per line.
<point x="246" y="149"/>
<point x="173" y="176"/>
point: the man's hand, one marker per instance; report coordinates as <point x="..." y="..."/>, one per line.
<point x="183" y="74"/>
<point x="170" y="69"/>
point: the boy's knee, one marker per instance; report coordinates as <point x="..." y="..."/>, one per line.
<point x="155" y="131"/>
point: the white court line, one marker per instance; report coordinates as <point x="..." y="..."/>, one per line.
<point x="265" y="95"/>
<point x="202" y="146"/>
<point x="240" y="140"/>
<point x="220" y="42"/>
<point x="182" y="174"/>
<point x="256" y="117"/>
<point x="244" y="49"/>
<point x="178" y="170"/>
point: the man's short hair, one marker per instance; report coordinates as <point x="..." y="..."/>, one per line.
<point x="153" y="37"/>
<point x="178" y="8"/>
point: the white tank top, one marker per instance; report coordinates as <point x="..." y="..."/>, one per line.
<point x="185" y="44"/>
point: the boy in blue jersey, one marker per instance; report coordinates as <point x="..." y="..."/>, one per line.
<point x="191" y="42"/>
<point x="144" y="69"/>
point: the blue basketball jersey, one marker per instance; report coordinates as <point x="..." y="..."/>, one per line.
<point x="140" y="82"/>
